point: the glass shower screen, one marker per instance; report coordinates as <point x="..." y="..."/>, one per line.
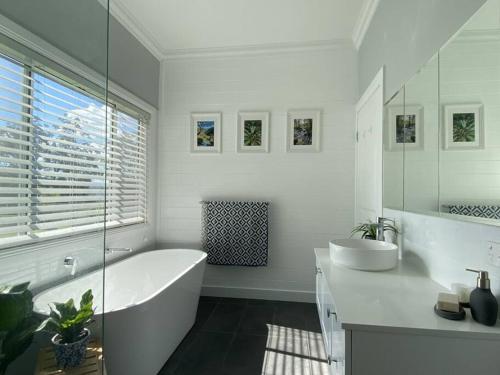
<point x="53" y="148"/>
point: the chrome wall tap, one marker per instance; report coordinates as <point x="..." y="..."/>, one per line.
<point x="110" y="250"/>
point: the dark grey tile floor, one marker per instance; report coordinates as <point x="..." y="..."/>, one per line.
<point x="251" y="337"/>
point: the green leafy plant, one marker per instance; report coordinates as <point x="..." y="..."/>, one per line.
<point x="68" y="321"/>
<point x="17" y="323"/>
<point x="369" y="230"/>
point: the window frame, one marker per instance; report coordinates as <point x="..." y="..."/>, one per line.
<point x="115" y="97"/>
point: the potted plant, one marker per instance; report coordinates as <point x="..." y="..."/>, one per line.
<point x="69" y="325"/>
<point x="17" y="323"/>
<point x="369" y="230"/>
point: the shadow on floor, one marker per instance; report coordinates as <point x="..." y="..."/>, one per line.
<point x="251" y="337"/>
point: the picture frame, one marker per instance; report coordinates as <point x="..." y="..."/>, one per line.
<point x="463" y="126"/>
<point x="303" y="131"/>
<point x="405" y="127"/>
<point x="205" y="134"/>
<point x="253" y="132"/>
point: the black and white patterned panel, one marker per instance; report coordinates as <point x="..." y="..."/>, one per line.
<point x="235" y="233"/>
<point x="490" y="212"/>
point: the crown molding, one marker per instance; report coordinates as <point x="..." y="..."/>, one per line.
<point x="124" y="16"/>
<point x="364" y="19"/>
<point x="258" y="49"/>
<point x="146" y="38"/>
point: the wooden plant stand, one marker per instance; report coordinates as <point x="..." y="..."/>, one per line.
<point x="92" y="365"/>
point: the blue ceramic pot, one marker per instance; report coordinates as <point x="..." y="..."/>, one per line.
<point x="73" y="354"/>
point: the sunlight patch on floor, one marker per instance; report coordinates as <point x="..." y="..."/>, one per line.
<point x="291" y="351"/>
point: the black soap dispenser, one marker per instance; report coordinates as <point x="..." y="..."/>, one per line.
<point x="483" y="304"/>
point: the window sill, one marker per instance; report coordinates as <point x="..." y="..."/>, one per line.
<point x="11" y="249"/>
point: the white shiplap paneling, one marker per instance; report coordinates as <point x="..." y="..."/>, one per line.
<point x="444" y="247"/>
<point x="311" y="194"/>
<point x="470" y="73"/>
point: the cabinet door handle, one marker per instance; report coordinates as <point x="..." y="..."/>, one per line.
<point x="318" y="271"/>
<point x="331" y="360"/>
<point x="329" y="312"/>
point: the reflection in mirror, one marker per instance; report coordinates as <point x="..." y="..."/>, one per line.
<point x="442" y="130"/>
<point x="421" y="174"/>
<point x="469" y="161"/>
<point x="394" y="133"/>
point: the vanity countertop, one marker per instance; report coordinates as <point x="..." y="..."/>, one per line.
<point x="398" y="300"/>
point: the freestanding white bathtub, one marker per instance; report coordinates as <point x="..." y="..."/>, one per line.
<point x="150" y="304"/>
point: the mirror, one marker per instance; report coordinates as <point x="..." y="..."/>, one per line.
<point x="421" y="169"/>
<point x="393" y="165"/>
<point x="442" y="129"/>
<point x="469" y="163"/>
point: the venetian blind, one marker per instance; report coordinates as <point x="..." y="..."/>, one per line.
<point x="66" y="158"/>
<point x="126" y="169"/>
<point x="15" y="151"/>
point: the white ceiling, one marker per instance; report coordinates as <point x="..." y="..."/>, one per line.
<point x="486" y="18"/>
<point x="169" y="26"/>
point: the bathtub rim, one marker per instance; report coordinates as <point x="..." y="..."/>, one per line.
<point x="203" y="256"/>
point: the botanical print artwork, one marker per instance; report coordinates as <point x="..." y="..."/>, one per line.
<point x="303" y="132"/>
<point x="406" y="129"/>
<point x="464" y="127"/>
<point x="205" y="133"/>
<point x="252" y="133"/>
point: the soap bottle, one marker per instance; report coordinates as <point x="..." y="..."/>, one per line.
<point x="483" y="304"/>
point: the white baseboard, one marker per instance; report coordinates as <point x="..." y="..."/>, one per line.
<point x="269" y="294"/>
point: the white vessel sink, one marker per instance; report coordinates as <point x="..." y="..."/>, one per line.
<point x="366" y="255"/>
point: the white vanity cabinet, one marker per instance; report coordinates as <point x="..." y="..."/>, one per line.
<point x="383" y="323"/>
<point x="331" y="327"/>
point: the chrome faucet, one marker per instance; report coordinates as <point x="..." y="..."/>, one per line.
<point x="70" y="262"/>
<point x="110" y="250"/>
<point x="380" y="228"/>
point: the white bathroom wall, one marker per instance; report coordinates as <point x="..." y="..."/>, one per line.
<point x="418" y="190"/>
<point x="421" y="165"/>
<point x="311" y="194"/>
<point x="469" y="73"/>
<point x="445" y="247"/>
<point x="393" y="161"/>
<point x="404" y="34"/>
<point x="42" y="264"/>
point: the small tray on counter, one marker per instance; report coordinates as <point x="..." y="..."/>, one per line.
<point x="460" y="315"/>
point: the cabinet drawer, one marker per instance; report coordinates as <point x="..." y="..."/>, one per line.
<point x="319" y="287"/>
<point x="335" y="338"/>
<point x="331" y="327"/>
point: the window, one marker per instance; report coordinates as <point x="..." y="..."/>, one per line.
<point x="62" y="165"/>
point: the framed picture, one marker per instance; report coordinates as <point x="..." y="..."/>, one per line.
<point x="405" y="127"/>
<point x="205" y="132"/>
<point x="253" y="132"/>
<point x="463" y="126"/>
<point x="303" y="131"/>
